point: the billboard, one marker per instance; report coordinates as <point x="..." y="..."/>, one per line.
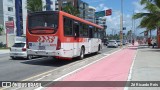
<point x="9" y="27"/>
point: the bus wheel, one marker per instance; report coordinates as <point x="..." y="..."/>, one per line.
<point x="81" y="54"/>
<point x="99" y="49"/>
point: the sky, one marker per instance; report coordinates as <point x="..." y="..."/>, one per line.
<point x="113" y="22"/>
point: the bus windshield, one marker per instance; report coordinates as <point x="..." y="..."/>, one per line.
<point x="43" y="21"/>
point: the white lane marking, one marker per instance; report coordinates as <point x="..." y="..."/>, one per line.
<point x="42" y="74"/>
<point x="131" y="69"/>
<point x="79" y="69"/>
<point x="43" y="77"/>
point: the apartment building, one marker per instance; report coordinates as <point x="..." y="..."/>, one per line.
<point x="15" y="10"/>
<point x="91" y="14"/>
<point x="7" y="13"/>
<point x="101" y="21"/>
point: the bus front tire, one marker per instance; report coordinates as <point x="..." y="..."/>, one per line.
<point x="99" y="49"/>
<point x="81" y="54"/>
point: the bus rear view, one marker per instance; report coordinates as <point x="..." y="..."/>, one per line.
<point x="41" y="33"/>
<point x="61" y="35"/>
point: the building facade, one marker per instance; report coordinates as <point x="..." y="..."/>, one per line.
<point x="15" y="10"/>
<point x="91" y="14"/>
<point x="7" y="13"/>
<point x="101" y="21"/>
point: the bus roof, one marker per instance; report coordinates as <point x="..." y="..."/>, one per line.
<point x="69" y="15"/>
<point x="80" y="19"/>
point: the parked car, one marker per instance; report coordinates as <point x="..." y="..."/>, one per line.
<point x="118" y="42"/>
<point x="112" y="43"/>
<point x="19" y="50"/>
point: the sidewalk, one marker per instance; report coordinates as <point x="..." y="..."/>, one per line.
<point x="115" y="67"/>
<point x="146" y="67"/>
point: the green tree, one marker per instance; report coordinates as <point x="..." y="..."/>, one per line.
<point x="34" y="5"/>
<point x="69" y="8"/>
<point x="151" y="19"/>
<point x="1" y="29"/>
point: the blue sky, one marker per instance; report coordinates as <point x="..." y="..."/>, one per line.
<point x="113" y="21"/>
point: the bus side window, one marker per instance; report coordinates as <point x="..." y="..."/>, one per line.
<point x="81" y="30"/>
<point x="90" y="31"/>
<point x="99" y="33"/>
<point x="68" y="27"/>
<point x="95" y="33"/>
<point x="76" y="29"/>
<point x="85" y="32"/>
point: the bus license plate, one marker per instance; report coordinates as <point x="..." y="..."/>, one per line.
<point x="41" y="47"/>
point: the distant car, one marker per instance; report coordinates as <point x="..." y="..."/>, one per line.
<point x="19" y="50"/>
<point x="118" y="42"/>
<point x="112" y="43"/>
<point x="105" y="41"/>
<point x="124" y="42"/>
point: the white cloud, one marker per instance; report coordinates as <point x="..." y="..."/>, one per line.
<point x="101" y="7"/>
<point x="113" y="23"/>
<point x="138" y="7"/>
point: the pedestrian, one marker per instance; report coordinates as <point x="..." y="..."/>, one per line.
<point x="153" y="43"/>
<point x="133" y="42"/>
<point x="149" y="41"/>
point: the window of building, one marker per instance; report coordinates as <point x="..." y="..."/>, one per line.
<point x="10" y="18"/>
<point x="68" y="26"/>
<point x="10" y="9"/>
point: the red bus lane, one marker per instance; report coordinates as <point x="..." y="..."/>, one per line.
<point x="115" y="67"/>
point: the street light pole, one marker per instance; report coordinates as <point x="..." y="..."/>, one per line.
<point x="121" y="24"/>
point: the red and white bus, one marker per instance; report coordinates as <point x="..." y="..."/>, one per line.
<point x="61" y="35"/>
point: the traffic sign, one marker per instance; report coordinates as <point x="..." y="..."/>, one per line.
<point x="100" y="14"/>
<point x="108" y="12"/>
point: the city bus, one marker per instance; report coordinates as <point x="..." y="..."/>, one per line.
<point x="61" y="35"/>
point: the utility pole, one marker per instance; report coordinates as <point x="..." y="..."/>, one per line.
<point x="121" y="24"/>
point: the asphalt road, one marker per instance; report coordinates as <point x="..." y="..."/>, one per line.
<point x="16" y="70"/>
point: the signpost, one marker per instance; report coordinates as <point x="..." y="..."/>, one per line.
<point x="103" y="13"/>
<point x="108" y="12"/>
<point x="9" y="29"/>
<point x="99" y="14"/>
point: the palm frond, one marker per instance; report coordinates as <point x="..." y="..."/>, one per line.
<point x="140" y="15"/>
<point x="34" y="5"/>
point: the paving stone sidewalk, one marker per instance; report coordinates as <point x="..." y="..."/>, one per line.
<point x="146" y="67"/>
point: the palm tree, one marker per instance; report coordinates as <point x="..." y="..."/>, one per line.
<point x="151" y="19"/>
<point x="71" y="9"/>
<point x="34" y="5"/>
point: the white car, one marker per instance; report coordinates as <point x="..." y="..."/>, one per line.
<point x="118" y="42"/>
<point x="19" y="50"/>
<point x="112" y="43"/>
